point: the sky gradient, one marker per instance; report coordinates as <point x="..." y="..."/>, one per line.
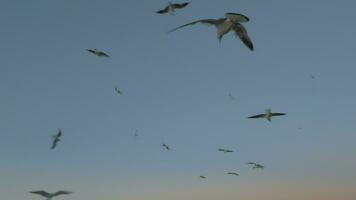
<point x="175" y="91"/>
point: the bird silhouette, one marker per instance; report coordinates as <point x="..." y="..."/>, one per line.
<point x="56" y="139"/>
<point x="170" y="8"/>
<point x="49" y="196"/>
<point x="267" y="115"/>
<point x="226" y="150"/>
<point x="166" y="146"/>
<point x="231" y="21"/>
<point x="98" y="53"/>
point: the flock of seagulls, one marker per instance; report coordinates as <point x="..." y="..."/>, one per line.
<point x="230" y="22"/>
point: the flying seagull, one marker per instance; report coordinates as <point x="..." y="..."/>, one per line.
<point x="202" y="176"/>
<point x="56" y="139"/>
<point x="170" y="8"/>
<point x="49" y="196"/>
<point x="233" y="173"/>
<point x="118" y="91"/>
<point x="226" y="150"/>
<point x="166" y="146"/>
<point x="268" y="115"/>
<point x="98" y="53"/>
<point x="231" y="21"/>
<point x="232" y="97"/>
<point x="256" y="165"/>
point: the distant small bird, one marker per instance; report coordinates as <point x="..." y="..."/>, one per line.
<point x="118" y="91"/>
<point x="170" y="8"/>
<point x="268" y="115"/>
<point x="231" y="21"/>
<point x="233" y="173"/>
<point x="56" y="139"/>
<point x="166" y="146"/>
<point x="232" y="97"/>
<point x="136" y="133"/>
<point x="226" y="150"/>
<point x="98" y="53"/>
<point x="256" y="165"/>
<point x="202" y="176"/>
<point x="49" y="196"/>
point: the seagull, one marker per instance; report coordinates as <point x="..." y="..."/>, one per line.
<point x="98" y="53"/>
<point x="226" y="150"/>
<point x="233" y="173"/>
<point x="166" y="146"/>
<point x="171" y="7"/>
<point x="118" y="91"/>
<point x="231" y="21"/>
<point x="49" y="196"/>
<point x="202" y="176"/>
<point x="256" y="165"/>
<point x="232" y="97"/>
<point x="56" y="139"/>
<point x="268" y="115"/>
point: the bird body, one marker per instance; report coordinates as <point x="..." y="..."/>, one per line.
<point x="170" y="8"/>
<point x="267" y="115"/>
<point x="226" y="150"/>
<point x="98" y="53"/>
<point x="118" y="91"/>
<point x="256" y="165"/>
<point x="166" y="146"/>
<point x="49" y="196"/>
<point x="231" y="21"/>
<point x="56" y="139"/>
<point x="233" y="173"/>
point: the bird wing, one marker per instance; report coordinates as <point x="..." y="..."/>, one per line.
<point x="91" y="51"/>
<point x="54" y="144"/>
<point x="41" y="192"/>
<point x="165" y="10"/>
<point x="251" y="163"/>
<point x="182" y="5"/>
<point x="241" y="32"/>
<point x="103" y="54"/>
<point x="203" y="21"/>
<point x="60" y="192"/>
<point x="258" y="116"/>
<point x="278" y="114"/>
<point x="59" y="133"/>
<point x="237" y="17"/>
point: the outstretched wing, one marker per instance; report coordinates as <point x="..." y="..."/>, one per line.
<point x="251" y="163"/>
<point x="103" y="54"/>
<point x="278" y="114"/>
<point x="61" y="192"/>
<point x="165" y="10"/>
<point x="91" y="51"/>
<point x="59" y="134"/>
<point x="182" y="5"/>
<point x="258" y="116"/>
<point x="204" y="21"/>
<point x="41" y="192"/>
<point x="54" y="144"/>
<point x="241" y="32"/>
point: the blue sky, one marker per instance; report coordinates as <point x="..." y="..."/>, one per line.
<point x="175" y="90"/>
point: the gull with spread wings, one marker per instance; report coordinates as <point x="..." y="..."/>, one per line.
<point x="231" y="21"/>
<point x="49" y="196"/>
<point x="98" y="53"/>
<point x="267" y="115"/>
<point x="226" y="150"/>
<point x="56" y="139"/>
<point x="170" y="8"/>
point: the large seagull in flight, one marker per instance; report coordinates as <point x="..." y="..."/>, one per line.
<point x="231" y="21"/>
<point x="267" y="115"/>
<point x="49" y="196"/>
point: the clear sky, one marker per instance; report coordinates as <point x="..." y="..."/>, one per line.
<point x="175" y="91"/>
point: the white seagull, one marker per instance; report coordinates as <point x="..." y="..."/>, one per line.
<point x="268" y="115"/>
<point x="98" y="53"/>
<point x="49" y="196"/>
<point x="170" y="8"/>
<point x="231" y="21"/>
